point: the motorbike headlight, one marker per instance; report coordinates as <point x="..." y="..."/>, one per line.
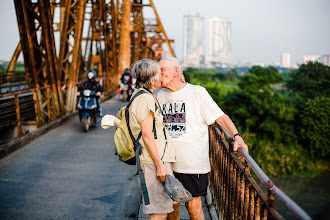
<point x="87" y="92"/>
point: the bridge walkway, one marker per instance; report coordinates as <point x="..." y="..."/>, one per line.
<point x="69" y="174"/>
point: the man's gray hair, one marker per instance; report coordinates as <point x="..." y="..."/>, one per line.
<point x="144" y="71"/>
<point x="174" y="62"/>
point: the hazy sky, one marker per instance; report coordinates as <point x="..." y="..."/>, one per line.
<point x="261" y="29"/>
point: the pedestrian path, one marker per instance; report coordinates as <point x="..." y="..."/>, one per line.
<point x="209" y="213"/>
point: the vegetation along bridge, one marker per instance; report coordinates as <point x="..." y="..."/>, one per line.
<point x="61" y="39"/>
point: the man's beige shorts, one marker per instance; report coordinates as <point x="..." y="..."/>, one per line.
<point x="160" y="202"/>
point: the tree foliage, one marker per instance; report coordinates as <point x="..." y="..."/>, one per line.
<point x="258" y="109"/>
<point x="2" y="68"/>
<point x="315" y="126"/>
<point x="310" y="80"/>
<point x="286" y="128"/>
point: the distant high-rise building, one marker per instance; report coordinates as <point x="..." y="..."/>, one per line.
<point x="310" y="58"/>
<point x="218" y="42"/>
<point x="193" y="35"/>
<point x="285" y="60"/>
<point x="324" y="59"/>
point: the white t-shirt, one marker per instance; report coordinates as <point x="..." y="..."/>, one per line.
<point x="187" y="114"/>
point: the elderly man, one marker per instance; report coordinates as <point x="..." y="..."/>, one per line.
<point x="188" y="110"/>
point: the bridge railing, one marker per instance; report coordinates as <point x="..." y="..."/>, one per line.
<point x="14" y="81"/>
<point x="236" y="194"/>
<point x="21" y="105"/>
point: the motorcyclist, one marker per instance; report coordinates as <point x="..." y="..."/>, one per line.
<point x="92" y="85"/>
<point x="126" y="77"/>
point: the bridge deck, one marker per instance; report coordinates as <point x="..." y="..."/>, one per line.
<point x="69" y="174"/>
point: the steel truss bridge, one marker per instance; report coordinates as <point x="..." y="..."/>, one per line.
<point x="61" y="39"/>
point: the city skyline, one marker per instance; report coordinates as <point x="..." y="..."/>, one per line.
<point x="261" y="31"/>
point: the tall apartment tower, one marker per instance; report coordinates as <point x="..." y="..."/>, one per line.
<point x="218" y="52"/>
<point x="285" y="60"/>
<point x="193" y="32"/>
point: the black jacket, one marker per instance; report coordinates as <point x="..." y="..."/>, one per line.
<point x="92" y="85"/>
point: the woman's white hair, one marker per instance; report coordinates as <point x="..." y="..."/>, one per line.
<point x="144" y="71"/>
<point x="174" y="62"/>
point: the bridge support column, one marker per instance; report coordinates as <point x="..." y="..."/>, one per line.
<point x="125" y="37"/>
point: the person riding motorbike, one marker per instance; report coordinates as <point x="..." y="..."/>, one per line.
<point x="126" y="77"/>
<point x="92" y="85"/>
<point x="126" y="86"/>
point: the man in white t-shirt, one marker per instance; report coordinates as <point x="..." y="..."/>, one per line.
<point x="188" y="110"/>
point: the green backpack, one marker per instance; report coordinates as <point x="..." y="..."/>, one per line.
<point x="125" y="143"/>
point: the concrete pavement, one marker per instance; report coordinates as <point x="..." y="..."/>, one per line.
<point x="69" y="174"/>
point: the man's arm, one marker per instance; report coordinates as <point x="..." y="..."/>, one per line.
<point x="226" y="123"/>
<point x="149" y="141"/>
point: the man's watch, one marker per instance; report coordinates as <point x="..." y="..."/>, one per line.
<point x="237" y="134"/>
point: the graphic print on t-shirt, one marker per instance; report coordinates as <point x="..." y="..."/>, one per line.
<point x="174" y="113"/>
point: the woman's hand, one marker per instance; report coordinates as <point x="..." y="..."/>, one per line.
<point x="149" y="141"/>
<point x="161" y="172"/>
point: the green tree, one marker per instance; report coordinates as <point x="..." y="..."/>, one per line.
<point x="257" y="109"/>
<point x="2" y="68"/>
<point x="315" y="126"/>
<point x="310" y="80"/>
<point x="187" y="76"/>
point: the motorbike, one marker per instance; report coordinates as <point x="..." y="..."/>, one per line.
<point x="126" y="88"/>
<point x="88" y="109"/>
<point x="125" y="91"/>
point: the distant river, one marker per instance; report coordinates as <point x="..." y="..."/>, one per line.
<point x="311" y="193"/>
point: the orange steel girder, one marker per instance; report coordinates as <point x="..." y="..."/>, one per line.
<point x="138" y="38"/>
<point x="101" y="45"/>
<point x="39" y="51"/>
<point x="121" y="33"/>
<point x="148" y="36"/>
<point x="72" y="21"/>
<point x="125" y="36"/>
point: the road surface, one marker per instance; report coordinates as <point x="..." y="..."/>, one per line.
<point x="69" y="174"/>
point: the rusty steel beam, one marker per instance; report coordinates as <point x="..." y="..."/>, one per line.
<point x="38" y="50"/>
<point x="13" y="61"/>
<point x="162" y="28"/>
<point x="125" y="36"/>
<point x="25" y="12"/>
<point x="62" y="75"/>
<point x="110" y="41"/>
<point x="18" y="116"/>
<point x="78" y="11"/>
<point x="49" y="48"/>
<point x="118" y="30"/>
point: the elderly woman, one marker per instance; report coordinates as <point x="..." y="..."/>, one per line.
<point x="157" y="149"/>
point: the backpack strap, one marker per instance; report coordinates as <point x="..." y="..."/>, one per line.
<point x="157" y="105"/>
<point x="137" y="150"/>
<point x="135" y="141"/>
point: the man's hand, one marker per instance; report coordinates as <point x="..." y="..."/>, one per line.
<point x="182" y="78"/>
<point x="98" y="93"/>
<point x="240" y="143"/>
<point x="161" y="172"/>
